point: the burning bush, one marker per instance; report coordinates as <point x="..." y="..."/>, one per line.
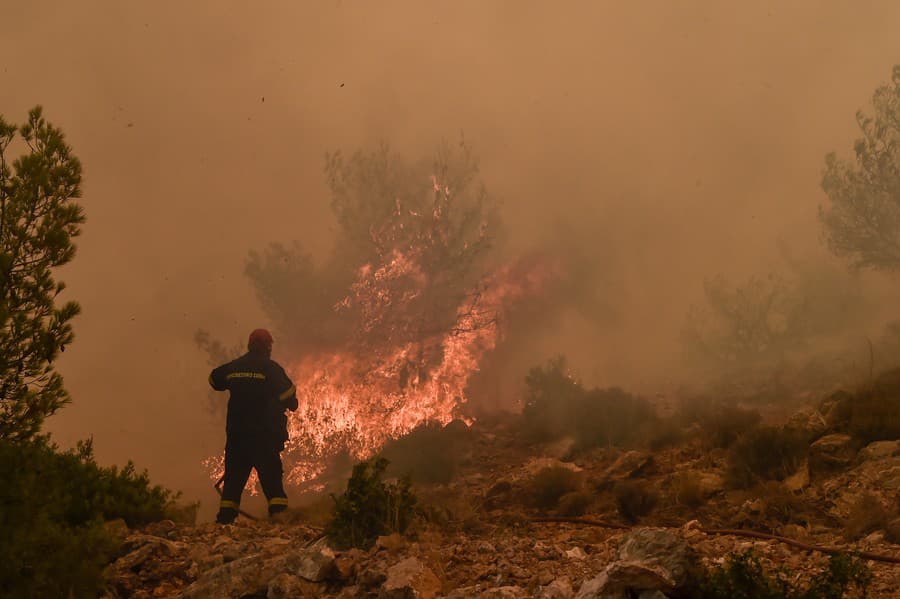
<point x="370" y="507"/>
<point x="54" y="505"/>
<point x="557" y="405"/>
<point x="385" y="333"/>
<point x="764" y="453"/>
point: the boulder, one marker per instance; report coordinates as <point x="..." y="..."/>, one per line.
<point x="834" y="409"/>
<point x="287" y="586"/>
<point x="237" y="578"/>
<point x="535" y="465"/>
<point x="660" y="547"/>
<point x="630" y="464"/>
<point x="623" y="579"/>
<point x="808" y="422"/>
<point x="560" y="588"/>
<point x="879" y="450"/>
<point x="315" y="563"/>
<point x="254" y="573"/>
<point x="650" y="559"/>
<point x="410" y="579"/>
<point x="507" y="592"/>
<point x="576" y="553"/>
<point x="830" y="454"/>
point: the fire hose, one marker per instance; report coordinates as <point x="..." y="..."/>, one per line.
<point x="889" y="559"/>
<point x="218" y="488"/>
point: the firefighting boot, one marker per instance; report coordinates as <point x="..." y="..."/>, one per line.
<point x="277" y="505"/>
<point x="228" y="513"/>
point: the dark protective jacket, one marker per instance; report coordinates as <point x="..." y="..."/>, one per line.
<point x="260" y="392"/>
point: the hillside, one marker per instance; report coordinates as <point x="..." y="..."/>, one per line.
<point x="638" y="519"/>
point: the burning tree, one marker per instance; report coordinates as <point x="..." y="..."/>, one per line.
<point x="386" y="333"/>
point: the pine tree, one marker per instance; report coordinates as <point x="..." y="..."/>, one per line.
<point x="39" y="217"/>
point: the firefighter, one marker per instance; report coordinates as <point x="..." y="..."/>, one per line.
<point x="256" y="426"/>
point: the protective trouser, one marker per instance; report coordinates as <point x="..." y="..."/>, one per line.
<point x="241" y="456"/>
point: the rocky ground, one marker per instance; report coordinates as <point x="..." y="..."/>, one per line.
<point x="479" y="539"/>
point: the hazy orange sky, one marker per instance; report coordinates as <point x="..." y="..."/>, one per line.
<point x="675" y="139"/>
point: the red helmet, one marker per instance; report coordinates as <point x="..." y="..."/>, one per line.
<point x="260" y="339"/>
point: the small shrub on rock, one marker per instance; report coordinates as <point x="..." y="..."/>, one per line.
<point x="764" y="453"/>
<point x="370" y="507"/>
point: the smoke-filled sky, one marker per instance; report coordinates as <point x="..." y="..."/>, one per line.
<point x="663" y="142"/>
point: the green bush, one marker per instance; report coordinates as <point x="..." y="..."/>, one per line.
<point x="764" y="453"/>
<point x="743" y="577"/>
<point x="52" y="510"/>
<point x="370" y="507"/>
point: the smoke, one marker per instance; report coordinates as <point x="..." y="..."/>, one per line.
<point x="652" y="146"/>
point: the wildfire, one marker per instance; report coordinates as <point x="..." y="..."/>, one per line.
<point x="356" y="403"/>
<point x="411" y="356"/>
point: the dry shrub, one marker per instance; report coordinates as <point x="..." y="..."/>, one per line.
<point x="871" y="414"/>
<point x="688" y="490"/>
<point x="315" y="510"/>
<point x="574" y="504"/>
<point x="557" y="406"/>
<point x="634" y="499"/>
<point x="867" y="515"/>
<point x="549" y="485"/>
<point x="892" y="531"/>
<point x="772" y="505"/>
<point x="450" y="511"/>
<point x="723" y="424"/>
<point x="875" y="411"/>
<point x="430" y="453"/>
<point x="764" y="453"/>
<point x="660" y="433"/>
<point x="781" y="505"/>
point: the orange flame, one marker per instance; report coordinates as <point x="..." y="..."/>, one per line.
<point x="386" y="382"/>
